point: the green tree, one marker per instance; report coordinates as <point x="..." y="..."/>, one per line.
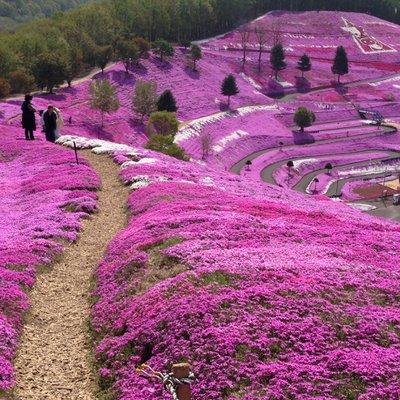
<point x="104" y="97"/>
<point x="145" y="98"/>
<point x="303" y="118"/>
<point x="163" y="49"/>
<point x="185" y="43"/>
<point x="162" y="123"/>
<point x="8" y="61"/>
<point x="128" y="53"/>
<point x="304" y="64"/>
<point x="75" y="64"/>
<point x="143" y="45"/>
<point x="167" y="102"/>
<point x="195" y="54"/>
<point x="51" y="71"/>
<point x="21" y="81"/>
<point x="5" y="88"/>
<point x="229" y="87"/>
<point x="103" y="55"/>
<point x="166" y="145"/>
<point x="340" y="63"/>
<point x="277" y="59"/>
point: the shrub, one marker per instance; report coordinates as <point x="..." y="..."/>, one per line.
<point x="303" y="118"/>
<point x="162" y="123"/>
<point x="166" y="145"/>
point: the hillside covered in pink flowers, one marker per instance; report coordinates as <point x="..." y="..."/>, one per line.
<point x="43" y="196"/>
<point x="268" y="294"/>
<point x="234" y="261"/>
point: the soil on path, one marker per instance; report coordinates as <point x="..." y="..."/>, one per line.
<point x="54" y="357"/>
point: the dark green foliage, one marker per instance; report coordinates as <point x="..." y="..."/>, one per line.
<point x="75" y="65"/>
<point x="5" y="88"/>
<point x="304" y="64"/>
<point x="14" y="12"/>
<point x="127" y="52"/>
<point x="166" y="145"/>
<point x="167" y="102"/>
<point x="163" y="49"/>
<point x="303" y="118"/>
<point x="103" y="55"/>
<point x="21" y="81"/>
<point x="277" y="59"/>
<point x="229" y="87"/>
<point x="195" y="54"/>
<point x="91" y="29"/>
<point x="340" y="63"/>
<point x="143" y="46"/>
<point x="51" y="71"/>
<point x="162" y="123"/>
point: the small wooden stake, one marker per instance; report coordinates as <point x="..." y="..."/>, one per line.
<point x="182" y="371"/>
<point x="76" y="153"/>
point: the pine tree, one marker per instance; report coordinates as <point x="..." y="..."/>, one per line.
<point x="229" y="87"/>
<point x="167" y="102"/>
<point x="340" y="64"/>
<point x="104" y="97"/>
<point x="277" y="59"/>
<point x="304" y="64"/>
<point x="195" y="54"/>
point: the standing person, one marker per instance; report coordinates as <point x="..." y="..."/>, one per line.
<point x="60" y="123"/>
<point x="50" y="123"/>
<point x="28" y="117"/>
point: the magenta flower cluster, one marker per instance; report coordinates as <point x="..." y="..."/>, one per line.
<point x="268" y="294"/>
<point x="43" y="194"/>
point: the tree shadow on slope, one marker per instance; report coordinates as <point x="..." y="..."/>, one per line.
<point x="192" y="74"/>
<point x="303" y="85"/>
<point x="164" y="66"/>
<point x="301" y="138"/>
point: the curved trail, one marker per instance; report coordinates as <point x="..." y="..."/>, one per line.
<point x="54" y="357"/>
<point x="236" y="168"/>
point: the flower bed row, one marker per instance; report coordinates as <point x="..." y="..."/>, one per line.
<point x="267" y="293"/>
<point x="302" y="167"/>
<point x="43" y="195"/>
<point x="372" y="169"/>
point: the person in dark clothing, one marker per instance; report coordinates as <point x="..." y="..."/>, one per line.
<point x="50" y="123"/>
<point x="28" y="117"/>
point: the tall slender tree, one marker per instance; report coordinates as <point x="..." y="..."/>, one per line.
<point x="262" y="37"/>
<point x="104" y="97"/>
<point x="245" y="36"/>
<point x="277" y="59"/>
<point x="195" y="54"/>
<point x="340" y="63"/>
<point x="229" y="87"/>
<point x="145" y="98"/>
<point x="103" y="55"/>
<point x="304" y="64"/>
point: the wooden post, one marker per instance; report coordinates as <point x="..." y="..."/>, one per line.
<point x="76" y="153"/>
<point x="182" y="371"/>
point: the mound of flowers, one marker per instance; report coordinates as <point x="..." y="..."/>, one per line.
<point x="43" y="195"/>
<point x="267" y="293"/>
